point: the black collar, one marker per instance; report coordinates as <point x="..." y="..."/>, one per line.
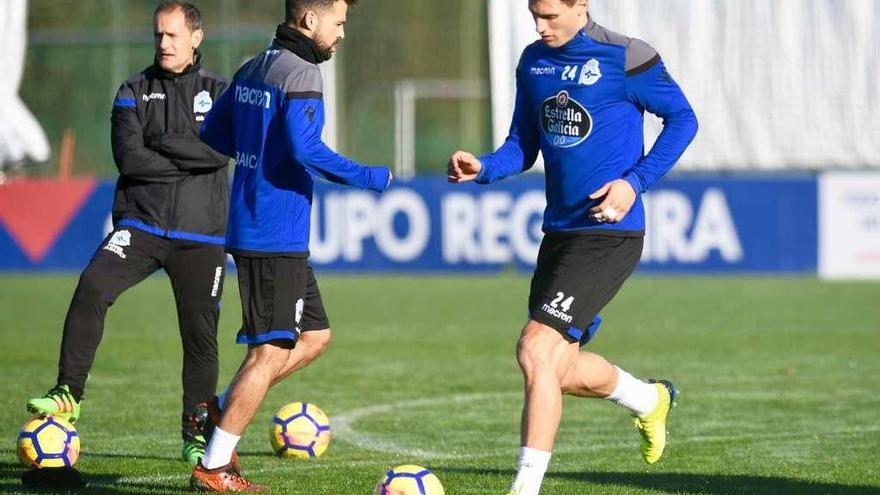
<point x="300" y="44"/>
<point x="194" y="67"/>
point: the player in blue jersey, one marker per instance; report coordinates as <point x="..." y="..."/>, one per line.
<point x="270" y="119"/>
<point x="582" y="91"/>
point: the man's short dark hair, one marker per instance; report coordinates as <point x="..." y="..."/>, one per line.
<point x="294" y="9"/>
<point x="190" y="12"/>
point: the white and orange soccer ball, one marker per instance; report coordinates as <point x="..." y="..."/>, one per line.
<point x="409" y="480"/>
<point x="48" y="442"/>
<point x="301" y="430"/>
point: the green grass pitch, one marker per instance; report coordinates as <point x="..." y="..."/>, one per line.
<point x="779" y="379"/>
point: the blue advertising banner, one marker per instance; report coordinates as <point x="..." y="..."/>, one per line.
<point x="693" y="225"/>
<point x="753" y="225"/>
<point x="705" y="224"/>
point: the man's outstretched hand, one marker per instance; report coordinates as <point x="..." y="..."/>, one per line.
<point x="463" y="167"/>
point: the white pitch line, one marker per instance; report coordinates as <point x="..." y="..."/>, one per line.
<point x="343" y="429"/>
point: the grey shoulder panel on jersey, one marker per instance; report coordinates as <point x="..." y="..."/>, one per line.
<point x="640" y="56"/>
<point x="305" y="83"/>
<point x="296" y="77"/>
<point x="604" y="35"/>
<point x="282" y="69"/>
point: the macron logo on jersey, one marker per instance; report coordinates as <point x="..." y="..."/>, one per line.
<point x="255" y="97"/>
<point x="542" y="71"/>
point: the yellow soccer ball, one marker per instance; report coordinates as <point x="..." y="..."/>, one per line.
<point x="301" y="430"/>
<point x="48" y="442"/>
<point x="409" y="480"/>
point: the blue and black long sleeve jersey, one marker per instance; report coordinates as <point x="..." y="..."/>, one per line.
<point x="270" y="120"/>
<point x="582" y="105"/>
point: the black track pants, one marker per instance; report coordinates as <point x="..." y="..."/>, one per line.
<point x="126" y="257"/>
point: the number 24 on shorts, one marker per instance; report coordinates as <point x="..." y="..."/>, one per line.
<point x="565" y="306"/>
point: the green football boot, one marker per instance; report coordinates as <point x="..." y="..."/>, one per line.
<point x="195" y="441"/>
<point x="194" y="449"/>
<point x="58" y="402"/>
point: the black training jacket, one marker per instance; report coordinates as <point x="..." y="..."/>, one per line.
<point x="170" y="183"/>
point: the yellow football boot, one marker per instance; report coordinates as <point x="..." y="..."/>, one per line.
<point x="653" y="426"/>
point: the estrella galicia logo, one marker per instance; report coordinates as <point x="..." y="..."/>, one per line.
<point x="565" y="122"/>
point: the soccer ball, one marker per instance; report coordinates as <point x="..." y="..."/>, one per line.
<point x="300" y="429"/>
<point x="409" y="480"/>
<point x="48" y="442"/>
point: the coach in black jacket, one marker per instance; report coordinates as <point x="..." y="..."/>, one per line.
<point x="169" y="212"/>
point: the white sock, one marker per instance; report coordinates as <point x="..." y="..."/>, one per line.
<point x="219" y="451"/>
<point x="637" y="396"/>
<point x="221" y="399"/>
<point x="532" y="466"/>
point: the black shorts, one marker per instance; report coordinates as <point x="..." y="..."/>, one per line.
<point x="279" y="299"/>
<point x="577" y="275"/>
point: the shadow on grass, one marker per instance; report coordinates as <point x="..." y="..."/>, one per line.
<point x="693" y="483"/>
<point x="103" y="483"/>
<point x="170" y="458"/>
<point x="135" y="457"/>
